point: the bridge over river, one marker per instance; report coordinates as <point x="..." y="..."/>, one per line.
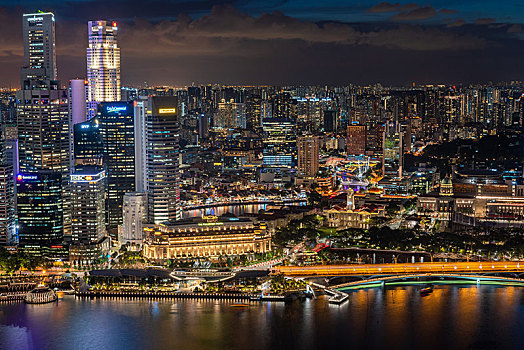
<point x="433" y="278"/>
<point x="480" y="268"/>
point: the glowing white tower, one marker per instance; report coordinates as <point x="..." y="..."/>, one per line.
<point x="103" y="64"/>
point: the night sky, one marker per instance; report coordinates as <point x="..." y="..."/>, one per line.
<point x="181" y="42"/>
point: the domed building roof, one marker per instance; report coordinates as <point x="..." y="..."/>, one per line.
<point x="446" y="187"/>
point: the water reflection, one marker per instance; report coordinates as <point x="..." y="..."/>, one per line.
<point x="452" y="317"/>
<point x="238" y="210"/>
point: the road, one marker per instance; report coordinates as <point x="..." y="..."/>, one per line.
<point x="400" y="269"/>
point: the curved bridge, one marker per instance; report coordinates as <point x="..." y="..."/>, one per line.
<point x="453" y="268"/>
<point x="433" y="278"/>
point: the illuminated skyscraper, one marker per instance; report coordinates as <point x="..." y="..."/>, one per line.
<point x="135" y="214"/>
<point x="43" y="138"/>
<point x="88" y="145"/>
<point x="140" y="145"/>
<point x="163" y="177"/>
<point x="393" y="154"/>
<point x="356" y="139"/>
<point x="230" y="115"/>
<point x="103" y="64"/>
<point x="77" y="100"/>
<point x="117" y="131"/>
<point x="43" y="128"/>
<point x="88" y="238"/>
<point x="308" y="151"/>
<point x="40" y="211"/>
<point x="39" y="46"/>
<point x="87" y="203"/>
<point x="280" y="146"/>
<point x="7" y="198"/>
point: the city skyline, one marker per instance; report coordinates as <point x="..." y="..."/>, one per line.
<point x="178" y="43"/>
<point x="270" y="175"/>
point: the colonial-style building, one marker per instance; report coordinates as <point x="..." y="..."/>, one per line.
<point x="209" y="237"/>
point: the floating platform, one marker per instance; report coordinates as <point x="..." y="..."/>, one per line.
<point x="41" y="295"/>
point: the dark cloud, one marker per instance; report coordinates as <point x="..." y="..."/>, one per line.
<point x="416" y="14"/>
<point x="129" y="9"/>
<point x="385" y="7"/>
<point x="409" y="6"/>
<point x="515" y="28"/>
<point x="484" y="21"/>
<point x="458" y="22"/>
<point x="447" y="11"/>
<point x="229" y="46"/>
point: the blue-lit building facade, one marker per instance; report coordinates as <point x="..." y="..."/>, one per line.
<point x="40" y="212"/>
<point x="116" y="124"/>
<point x="88" y="145"/>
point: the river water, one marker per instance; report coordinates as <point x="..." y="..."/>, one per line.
<point x="237" y="209"/>
<point x="453" y="317"/>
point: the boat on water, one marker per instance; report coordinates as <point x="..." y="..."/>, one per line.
<point x="41" y="295"/>
<point x="426" y="290"/>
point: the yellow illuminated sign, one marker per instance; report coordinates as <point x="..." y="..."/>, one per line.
<point x="166" y="110"/>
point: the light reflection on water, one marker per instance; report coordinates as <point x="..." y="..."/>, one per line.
<point x="238" y="210"/>
<point x="452" y="317"/>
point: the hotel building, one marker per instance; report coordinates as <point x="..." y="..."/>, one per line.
<point x="208" y="237"/>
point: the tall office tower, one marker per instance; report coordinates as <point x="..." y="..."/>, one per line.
<point x="88" y="207"/>
<point x="282" y="106"/>
<point x="88" y="145"/>
<point x="140" y="145"/>
<point x="43" y="129"/>
<point x="163" y="177"/>
<point x="78" y="101"/>
<point x="7" y="199"/>
<point x="254" y="110"/>
<point x="308" y="151"/>
<point x="117" y="130"/>
<point x="128" y="94"/>
<point x="77" y="109"/>
<point x="393" y="154"/>
<point x="203" y="126"/>
<point x="103" y="64"/>
<point x="330" y="121"/>
<point x="43" y="119"/>
<point x="356" y="141"/>
<point x="11" y="154"/>
<point x="280" y="146"/>
<point x="39" y="47"/>
<point x="135" y="215"/>
<point x="40" y="211"/>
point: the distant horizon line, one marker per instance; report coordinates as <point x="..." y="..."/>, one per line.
<point x="290" y="85"/>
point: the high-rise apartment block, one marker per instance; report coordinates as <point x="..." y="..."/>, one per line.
<point x="308" y="151"/>
<point x="356" y="140"/>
